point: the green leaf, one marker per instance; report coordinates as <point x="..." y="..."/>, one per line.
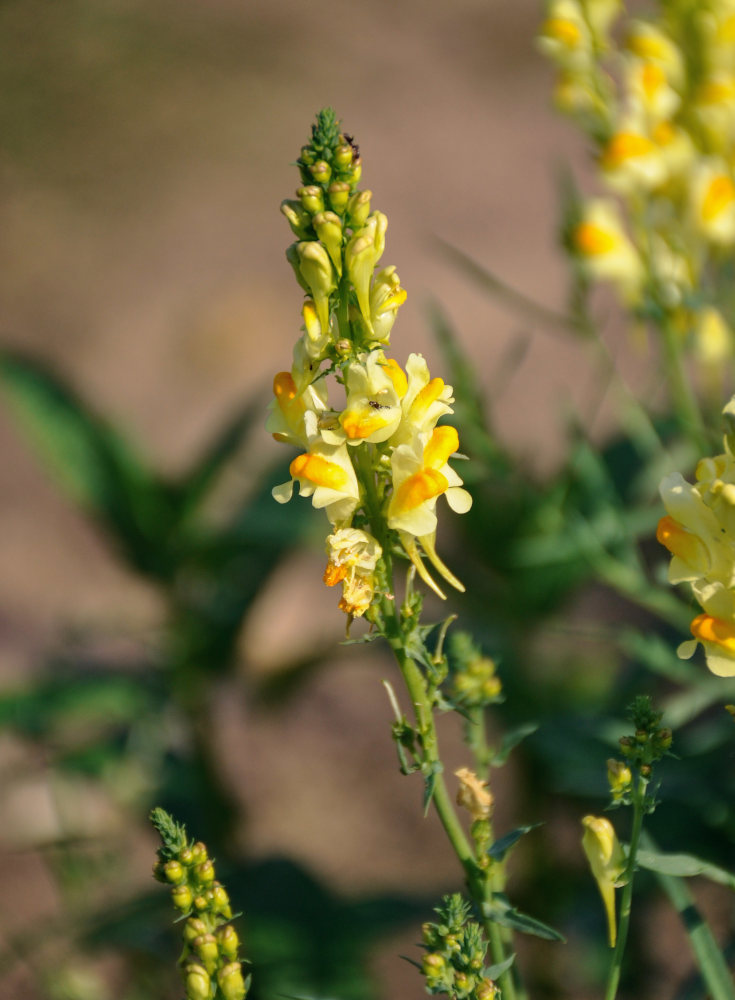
<point x="497" y="970"/>
<point x="500" y="848"/>
<point x="684" y="866"/>
<point x="500" y="911"/>
<point x="510" y="741"/>
<point x="91" y="461"/>
<point x="221" y="450"/>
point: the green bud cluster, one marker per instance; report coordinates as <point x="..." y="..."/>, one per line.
<point x="454" y="962"/>
<point x="339" y="241"/>
<point x="650" y="742"/>
<point x="473" y="680"/>
<point x="210" y="966"/>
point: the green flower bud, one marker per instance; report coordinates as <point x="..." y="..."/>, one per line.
<point x="486" y="990"/>
<point x="204" y="872"/>
<point x="312" y="198"/>
<point x="343" y="156"/>
<point x="307" y="156"/>
<point x="199" y="852"/>
<point x="174" y="872"/>
<point x="205" y="948"/>
<point x="220" y="901"/>
<point x="328" y="228"/>
<point x="339" y="195"/>
<point x="358" y="208"/>
<point x="664" y="739"/>
<point x="355" y="172"/>
<point x="317" y="270"/>
<point x="186" y="856"/>
<point x="298" y="218"/>
<point x="182" y="898"/>
<point x="196" y="982"/>
<point x="201" y="903"/>
<point x="194" y="928"/>
<point x="321" y="171"/>
<point x="462" y="983"/>
<point x="231" y="982"/>
<point x="294" y="260"/>
<point x="228" y="941"/>
<point x="433" y="965"/>
<point x="343" y="347"/>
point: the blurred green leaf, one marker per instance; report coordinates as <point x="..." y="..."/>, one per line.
<point x="684" y="866"/>
<point x="501" y="912"/>
<point x="500" y="848"/>
<point x="510" y="741"/>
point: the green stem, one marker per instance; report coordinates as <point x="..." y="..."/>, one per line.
<point x="627" y="896"/>
<point x="478" y="881"/>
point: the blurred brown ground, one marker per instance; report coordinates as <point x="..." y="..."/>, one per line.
<point x="144" y="150"/>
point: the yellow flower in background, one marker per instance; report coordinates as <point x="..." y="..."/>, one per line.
<point x="607" y="862"/>
<point x="650" y="44"/>
<point x="565" y="36"/>
<point x="650" y="92"/>
<point x="713" y="339"/>
<point x="631" y="161"/>
<point x="714" y="106"/>
<point x="352" y="556"/>
<point x="604" y="250"/>
<point x="712" y="204"/>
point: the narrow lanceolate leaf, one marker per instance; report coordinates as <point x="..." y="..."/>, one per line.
<point x="510" y="741"/>
<point x="500" y="848"/>
<point x="497" y="970"/>
<point x="500" y="911"/>
<point x="684" y="866"/>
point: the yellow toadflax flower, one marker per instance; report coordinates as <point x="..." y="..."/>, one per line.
<point x="473" y="794"/>
<point x="603" y="249"/>
<point x="607" y="861"/>
<point x="712" y="204"/>
<point x="352" y="556"/>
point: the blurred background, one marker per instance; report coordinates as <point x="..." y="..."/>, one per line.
<point x="164" y="635"/>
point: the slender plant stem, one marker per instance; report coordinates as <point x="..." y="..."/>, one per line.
<point x="627" y="895"/>
<point x="477" y="879"/>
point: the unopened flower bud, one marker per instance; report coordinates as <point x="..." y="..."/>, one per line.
<point x="186" y="856"/>
<point x="320" y="171"/>
<point x="462" y="983"/>
<point x="343" y="155"/>
<point x="205" y="948"/>
<point x="307" y="156"/>
<point x="231" y="982"/>
<point x="433" y="964"/>
<point x="295" y="261"/>
<point x="665" y="738"/>
<point x="328" y="228"/>
<point x="221" y="901"/>
<point x="339" y="195"/>
<point x="201" y="903"/>
<point x="317" y="270"/>
<point x="174" y="872"/>
<point x="358" y="208"/>
<point x="312" y="198"/>
<point x="204" y="872"/>
<point x="645" y="770"/>
<point x="194" y="928"/>
<point x="343" y="347"/>
<point x="473" y="794"/>
<point x="182" y="897"/>
<point x="298" y="218"/>
<point x="199" y="852"/>
<point x="228" y="941"/>
<point x="354" y="173"/>
<point x="486" y="990"/>
<point x="196" y="982"/>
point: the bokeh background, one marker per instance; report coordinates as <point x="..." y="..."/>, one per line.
<point x="144" y="150"/>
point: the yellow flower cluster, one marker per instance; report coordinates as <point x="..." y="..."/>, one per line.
<point x="375" y="460"/>
<point x="699" y="532"/>
<point x="660" y="110"/>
